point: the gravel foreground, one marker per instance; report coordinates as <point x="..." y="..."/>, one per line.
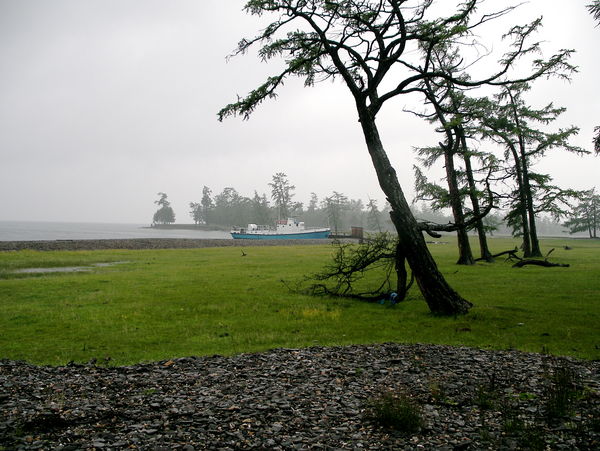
<point x="314" y="398"/>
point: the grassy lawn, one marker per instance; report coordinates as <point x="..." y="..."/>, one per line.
<point x="159" y="304"/>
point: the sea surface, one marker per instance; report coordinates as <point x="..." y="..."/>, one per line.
<point x="38" y="231"/>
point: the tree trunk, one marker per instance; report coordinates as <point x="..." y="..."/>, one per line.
<point x="440" y="297"/>
<point x="483" y="245"/>
<point x="594" y="216"/>
<point x="526" y="187"/>
<point x="522" y="205"/>
<point x="401" y="274"/>
<point x="465" y="256"/>
<point x="535" y="243"/>
<point x="525" y="228"/>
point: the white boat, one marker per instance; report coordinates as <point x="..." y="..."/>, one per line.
<point x="285" y="229"/>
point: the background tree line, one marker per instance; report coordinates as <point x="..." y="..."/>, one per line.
<point x="230" y="208"/>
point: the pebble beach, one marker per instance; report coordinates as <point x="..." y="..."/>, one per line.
<point x="295" y="399"/>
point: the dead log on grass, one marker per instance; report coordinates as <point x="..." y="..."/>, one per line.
<point x="545" y="263"/>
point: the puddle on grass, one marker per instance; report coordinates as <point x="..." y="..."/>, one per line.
<point x="66" y="268"/>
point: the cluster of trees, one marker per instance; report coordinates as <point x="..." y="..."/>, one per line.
<point x="337" y="210"/>
<point x="383" y="50"/>
<point x="489" y="151"/>
<point x="229" y="208"/>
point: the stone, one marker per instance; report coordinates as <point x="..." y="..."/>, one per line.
<point x="289" y="399"/>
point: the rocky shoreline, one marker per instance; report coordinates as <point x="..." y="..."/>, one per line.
<point x="145" y="243"/>
<point x="314" y="398"/>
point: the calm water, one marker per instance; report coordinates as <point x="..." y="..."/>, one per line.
<point x="34" y="231"/>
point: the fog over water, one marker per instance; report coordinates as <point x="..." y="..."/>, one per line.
<point x="107" y="102"/>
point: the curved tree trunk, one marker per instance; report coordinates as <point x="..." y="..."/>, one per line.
<point x="440" y="297"/>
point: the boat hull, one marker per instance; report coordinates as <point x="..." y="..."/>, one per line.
<point x="307" y="235"/>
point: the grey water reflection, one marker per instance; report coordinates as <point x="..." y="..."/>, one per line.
<point x="65" y="268"/>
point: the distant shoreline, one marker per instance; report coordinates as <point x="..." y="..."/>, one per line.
<point x="145" y="243"/>
<point x="203" y="227"/>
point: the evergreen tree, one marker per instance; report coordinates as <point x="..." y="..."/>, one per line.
<point x="207" y="204"/>
<point x="509" y="121"/>
<point x="281" y="193"/>
<point x="196" y="212"/>
<point x="594" y="9"/>
<point x="373" y="216"/>
<point x="165" y="214"/>
<point x="261" y="213"/>
<point x="335" y="206"/>
<point x="585" y="217"/>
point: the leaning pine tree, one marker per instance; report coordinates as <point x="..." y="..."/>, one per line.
<point x="371" y="46"/>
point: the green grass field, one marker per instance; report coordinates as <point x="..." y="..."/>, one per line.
<point x="160" y="304"/>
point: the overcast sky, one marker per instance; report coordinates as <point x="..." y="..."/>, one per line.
<point x="104" y="103"/>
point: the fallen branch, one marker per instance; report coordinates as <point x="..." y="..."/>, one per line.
<point x="545" y="263"/>
<point x="522" y="262"/>
<point x="511" y="254"/>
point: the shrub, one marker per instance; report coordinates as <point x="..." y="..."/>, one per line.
<point x="395" y="411"/>
<point x="562" y="393"/>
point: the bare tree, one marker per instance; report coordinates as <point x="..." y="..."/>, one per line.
<point x="363" y="42"/>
